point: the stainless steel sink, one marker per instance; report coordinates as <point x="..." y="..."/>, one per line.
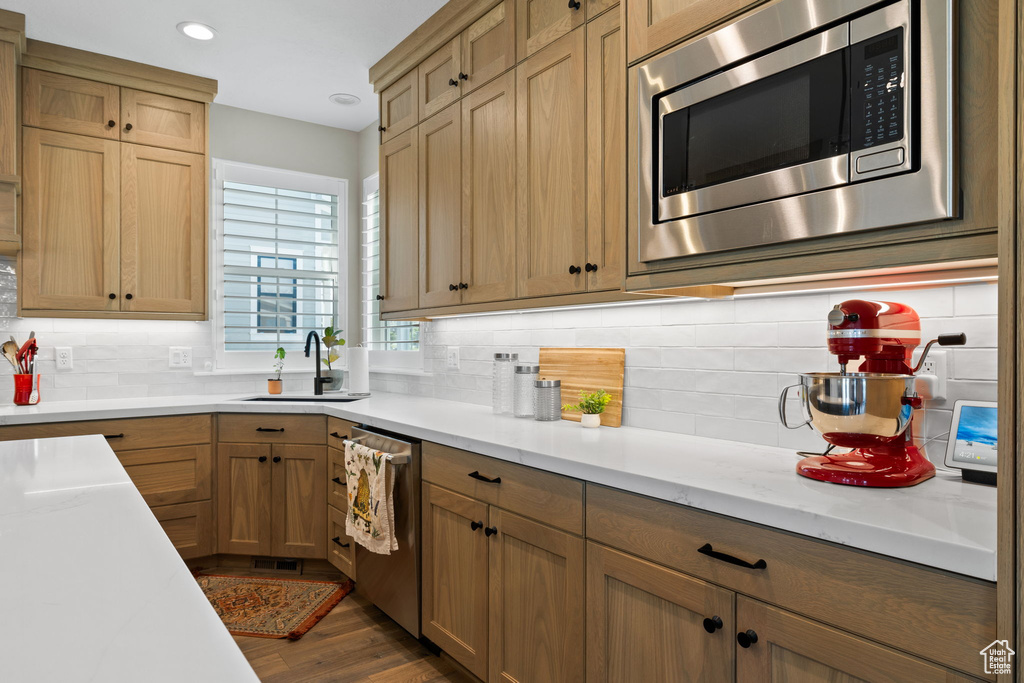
<point x="308" y="399"/>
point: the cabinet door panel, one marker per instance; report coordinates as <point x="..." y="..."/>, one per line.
<point x="71" y="222"/>
<point x="163" y="230"/>
<point x="243" y="499"/>
<point x="542" y="22"/>
<point x="438" y="77"/>
<point x="9" y="128"/>
<point x="70" y="105"/>
<point x="654" y="24"/>
<point x="399" y="223"/>
<point x="440" y="209"/>
<point x="177" y="474"/>
<point x="189" y="526"/>
<point x="606" y="152"/>
<point x="162" y="121"/>
<point x="550" y="103"/>
<point x="341" y="549"/>
<point x="398" y="106"/>
<point x="489" y="191"/>
<point x="645" y="622"/>
<point x="536" y="600"/>
<point x="455" y="576"/>
<point x="489" y="46"/>
<point x="299" y="497"/>
<point x="792" y="649"/>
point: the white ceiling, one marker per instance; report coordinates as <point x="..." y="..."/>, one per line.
<point x="275" y="56"/>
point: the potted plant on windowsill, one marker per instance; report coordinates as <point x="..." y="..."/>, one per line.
<point x="332" y="341"/>
<point x="591" y="404"/>
<point x="274" y="384"/>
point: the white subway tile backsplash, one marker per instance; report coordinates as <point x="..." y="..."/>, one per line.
<point x="978" y="299"/>
<point x="662" y="335"/>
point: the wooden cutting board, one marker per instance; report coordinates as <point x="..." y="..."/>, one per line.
<point x="587" y="370"/>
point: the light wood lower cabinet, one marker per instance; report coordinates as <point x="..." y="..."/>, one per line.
<point x="341" y="549"/>
<point x="271" y="499"/>
<point x="647" y="623"/>
<point x="189" y="526"/>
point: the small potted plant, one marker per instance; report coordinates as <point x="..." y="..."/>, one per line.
<point x="332" y="341"/>
<point x="274" y="384"/>
<point x="592" y="404"/>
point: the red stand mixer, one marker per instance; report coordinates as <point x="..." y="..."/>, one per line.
<point x="870" y="409"/>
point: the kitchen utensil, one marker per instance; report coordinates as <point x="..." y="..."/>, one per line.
<point x="10" y="351"/>
<point x="587" y="370"/>
<point x="868" y="409"/>
<point x="548" y="400"/>
<point x="501" y="382"/>
<point x="525" y="390"/>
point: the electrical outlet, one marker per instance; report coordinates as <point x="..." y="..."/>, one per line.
<point x="62" y="354"/>
<point x="452" y="357"/>
<point x="179" y="357"/>
<point x="933" y="375"/>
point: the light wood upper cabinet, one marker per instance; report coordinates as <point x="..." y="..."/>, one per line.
<point x="646" y="623"/>
<point x="654" y="24"/>
<point x="489" y="191"/>
<point x="541" y="22"/>
<point x="596" y="7"/>
<point x="791" y="648"/>
<point x="536" y="601"/>
<point x="551" y="182"/>
<point x="162" y="121"/>
<point x="440" y="177"/>
<point x="244" y="499"/>
<point x="71" y="225"/>
<point x="297" y="501"/>
<point x="438" y="78"/>
<point x="399" y="222"/>
<point x="606" y="153"/>
<point x="454" y="577"/>
<point x="9" y="129"/>
<point x="70" y="105"/>
<point x="399" y="106"/>
<point x="489" y="46"/>
<point x="163" y="235"/>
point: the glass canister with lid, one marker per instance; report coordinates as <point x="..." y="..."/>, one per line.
<point x="501" y="382"/>
<point x="549" y="399"/>
<point x="525" y="378"/>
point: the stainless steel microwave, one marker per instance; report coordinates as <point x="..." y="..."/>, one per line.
<point x="803" y="119"/>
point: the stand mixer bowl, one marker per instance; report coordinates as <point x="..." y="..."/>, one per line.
<point x="854" y="410"/>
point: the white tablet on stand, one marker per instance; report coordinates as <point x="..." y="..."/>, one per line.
<point x="972" y="447"/>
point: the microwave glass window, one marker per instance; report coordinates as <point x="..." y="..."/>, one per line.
<point x="793" y="117"/>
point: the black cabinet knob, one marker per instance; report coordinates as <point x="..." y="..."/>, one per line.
<point x="712" y="624"/>
<point x="463" y="77"/>
<point x="591" y="267"/>
<point x="263" y="458"/>
<point x="128" y="296"/>
<point x="127" y="126"/>
<point x="111" y="123"/>
<point x="453" y="288"/>
<point x="574" y="4"/>
<point x="490" y="531"/>
<point x="381" y="128"/>
<point x="574" y="270"/>
<point x="277" y="458"/>
<point x="380" y="297"/>
<point x="476" y="525"/>
<point x="112" y="296"/>
<point x="746" y="638"/>
<point x="452" y="82"/>
<point x="463" y="285"/>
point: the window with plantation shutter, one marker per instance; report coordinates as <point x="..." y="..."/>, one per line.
<point x="280" y="267"/>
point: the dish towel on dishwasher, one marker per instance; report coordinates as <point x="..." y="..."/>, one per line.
<point x="371" y="506"/>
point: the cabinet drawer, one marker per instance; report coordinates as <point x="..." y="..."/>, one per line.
<point x="341" y="549"/>
<point x="124" y="435"/>
<point x="272" y="428"/>
<point x="931" y="613"/>
<point x="337" y="491"/>
<point x="189" y="526"/>
<point x="176" y="474"/>
<point x="550" y="498"/>
<point x="337" y="431"/>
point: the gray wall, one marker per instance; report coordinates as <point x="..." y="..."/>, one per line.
<point x="254" y="138"/>
<point x="369" y="145"/>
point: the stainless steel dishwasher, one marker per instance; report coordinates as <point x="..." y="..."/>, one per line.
<point x="392" y="582"/>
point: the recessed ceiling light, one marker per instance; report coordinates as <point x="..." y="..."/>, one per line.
<point x="344" y="99"/>
<point x="197" y="31"/>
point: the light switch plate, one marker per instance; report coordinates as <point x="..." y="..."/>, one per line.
<point x="179" y="357"/>
<point x="62" y="355"/>
<point x="452" y="357"/>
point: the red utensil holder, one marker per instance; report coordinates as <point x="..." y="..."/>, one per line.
<point x="23" y="390"/>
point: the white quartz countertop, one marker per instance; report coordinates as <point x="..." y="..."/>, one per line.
<point x="93" y="590"/>
<point x="943" y="522"/>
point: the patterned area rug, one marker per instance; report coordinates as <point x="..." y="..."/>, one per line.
<point x="271" y="608"/>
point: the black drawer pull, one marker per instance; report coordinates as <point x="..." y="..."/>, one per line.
<point x="712" y="624"/>
<point x="336" y="435"/>
<point x="706" y="549"/>
<point x="480" y="477"/>
<point x="113" y="436"/>
<point x="267" y="429"/>
<point x="339" y="482"/>
<point x="337" y="541"/>
<point x="490" y="531"/>
<point x="746" y="638"/>
<point x="476" y="525"/>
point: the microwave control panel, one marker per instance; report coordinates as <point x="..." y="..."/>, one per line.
<point x="879" y="94"/>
